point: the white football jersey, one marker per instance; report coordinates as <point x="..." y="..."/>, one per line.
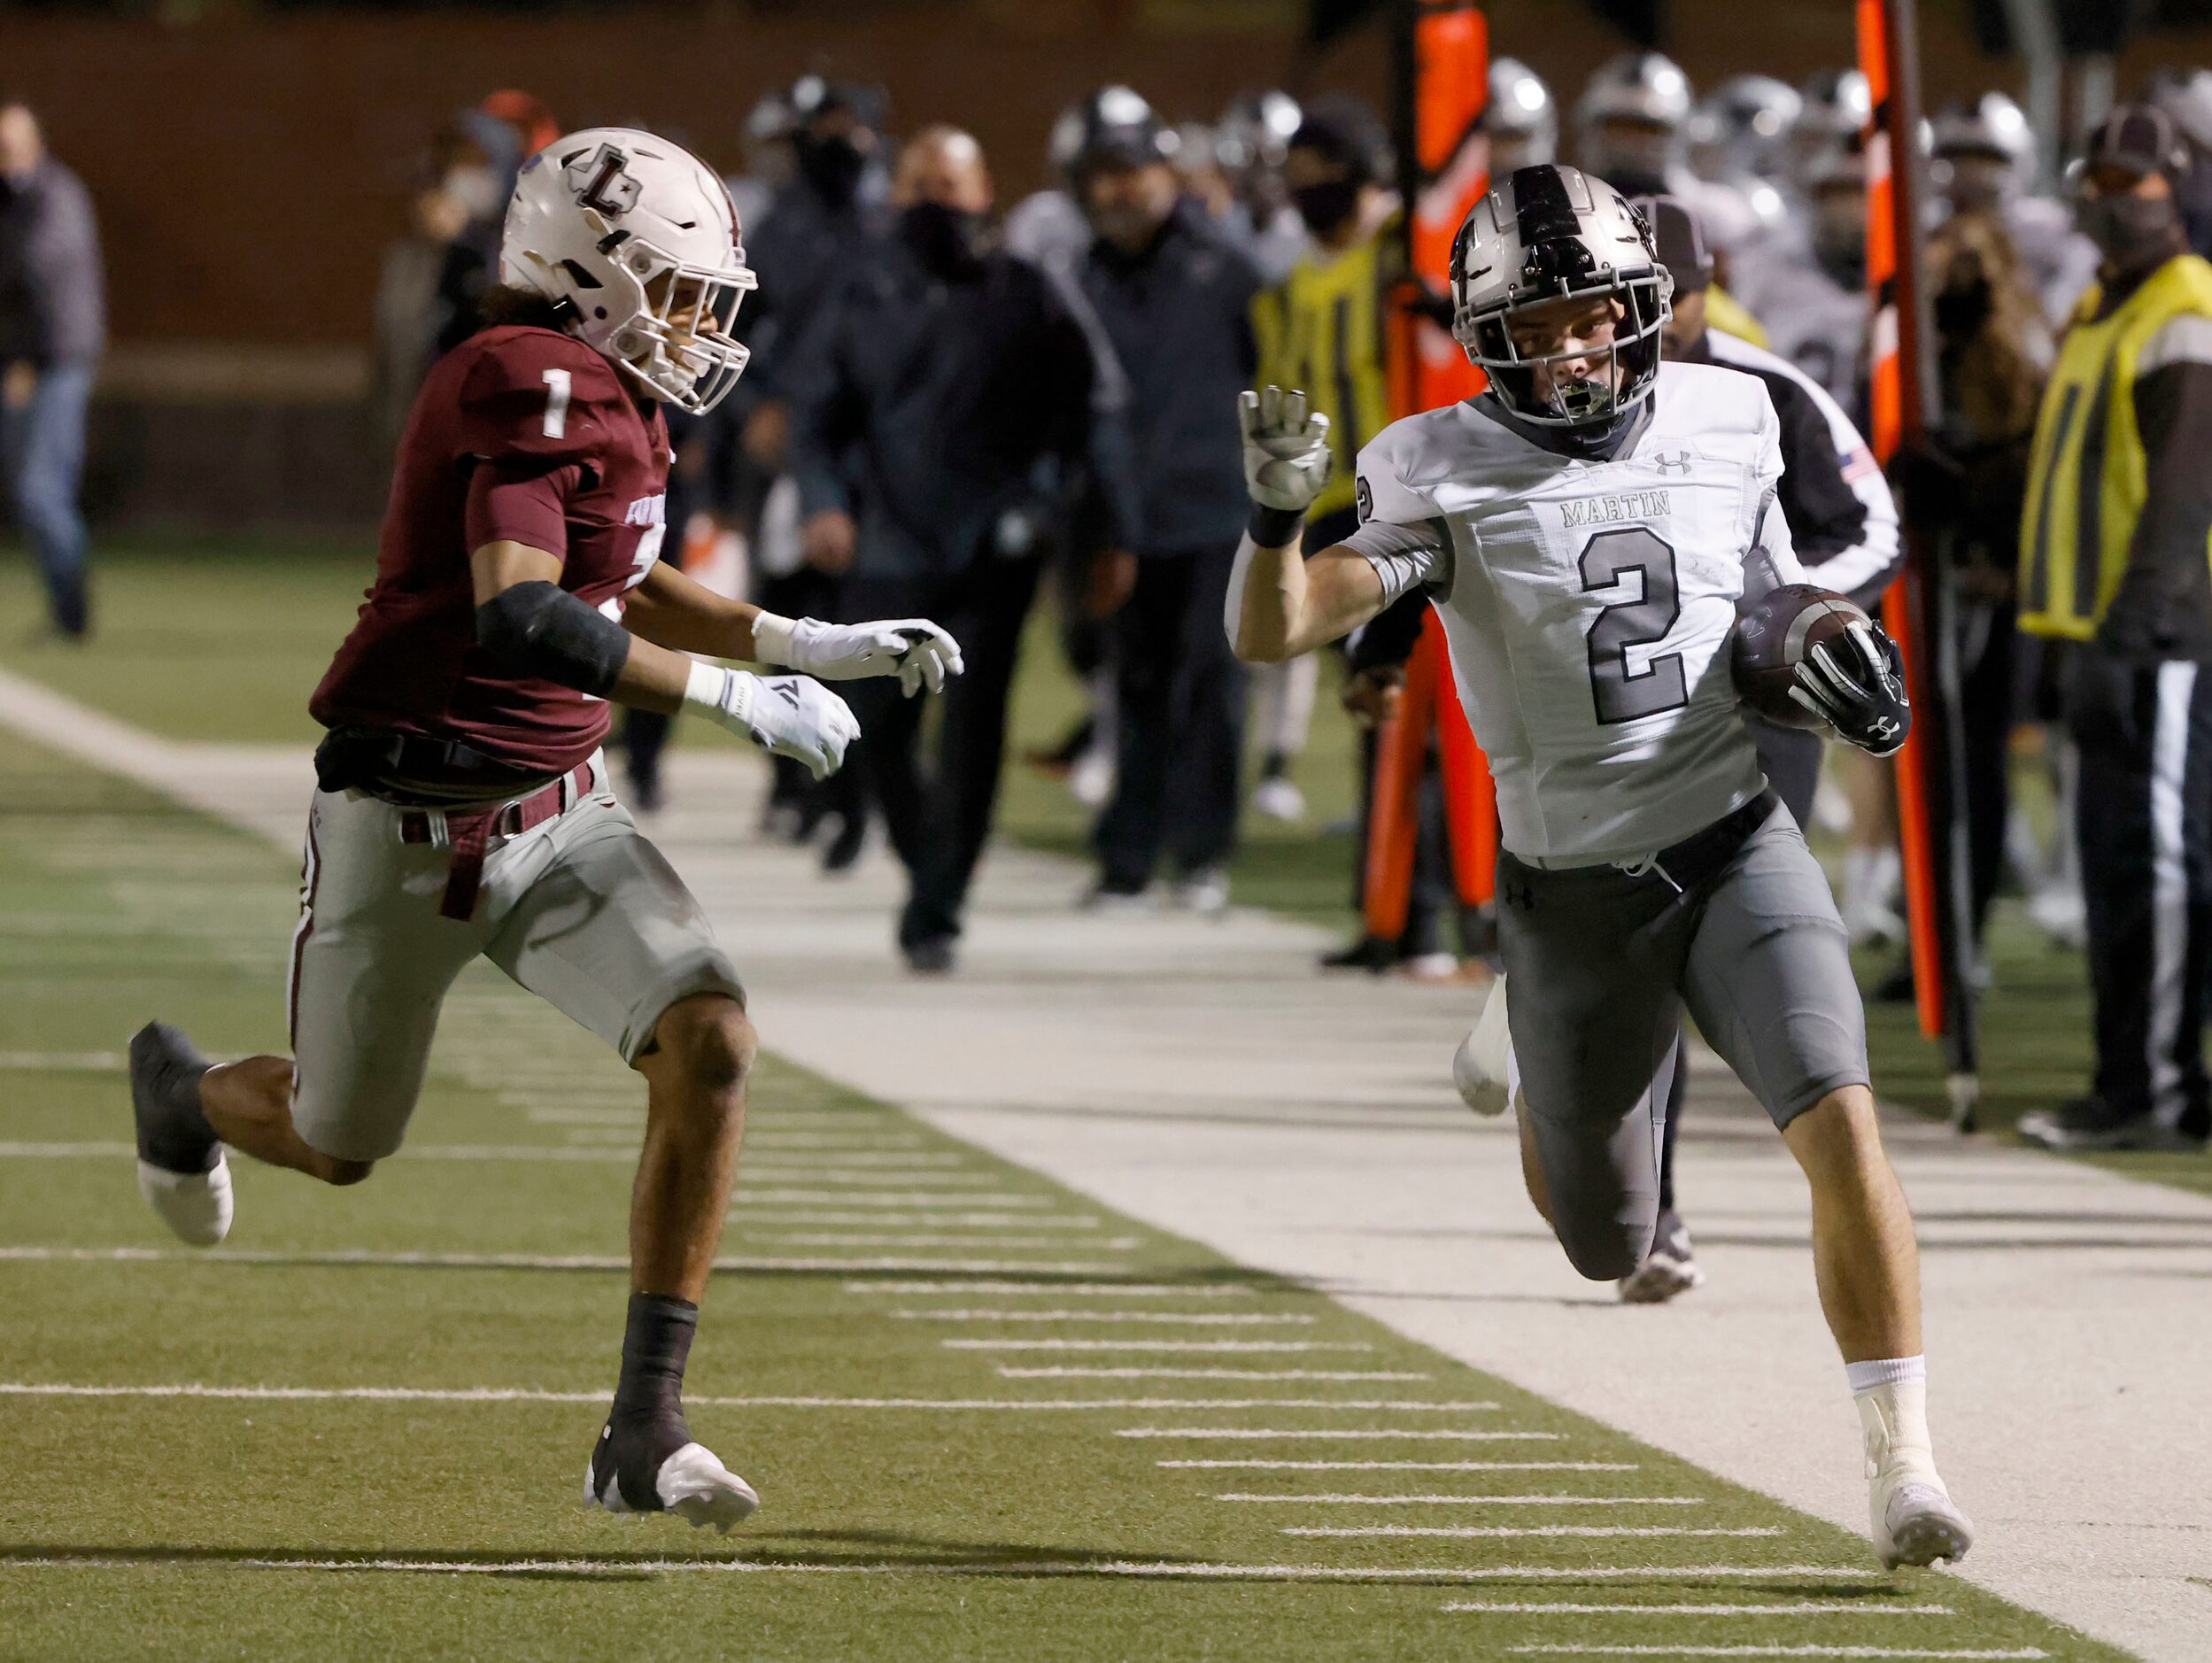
<point x="1589" y="605"/>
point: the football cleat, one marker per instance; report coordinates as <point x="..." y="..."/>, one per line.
<point x="181" y="1172"/>
<point x="1479" y="1067"/>
<point x="690" y="1481"/>
<point x="1668" y="1269"/>
<point x="1914" y="1520"/>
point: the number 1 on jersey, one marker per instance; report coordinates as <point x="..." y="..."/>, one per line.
<point x="556" y="403"/>
<point x="1623" y="694"/>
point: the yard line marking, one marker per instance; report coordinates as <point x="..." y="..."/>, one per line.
<point x="631" y="1119"/>
<point x="1209" y="1373"/>
<point x="1531" y="1530"/>
<point x="1111" y="1244"/>
<point x="1767" y="1651"/>
<point x="1361" y="1433"/>
<point x="1415" y="1466"/>
<point x="1786" y="1608"/>
<point x="743" y="1213"/>
<point x="1167" y="1570"/>
<point x="528" y="1395"/>
<point x="1146" y="1290"/>
<point x="1471" y="1500"/>
<point x="66" y="1062"/>
<point x="1208" y="1318"/>
<point x="620" y="1155"/>
<point x="836" y="1140"/>
<point x="996" y="1200"/>
<point x="1157" y="1345"/>
<point x="516" y="1261"/>
<point x="898" y="1160"/>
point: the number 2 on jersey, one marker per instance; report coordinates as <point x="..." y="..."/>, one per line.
<point x="1624" y="694"/>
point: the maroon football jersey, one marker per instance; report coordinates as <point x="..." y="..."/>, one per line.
<point x="518" y="433"/>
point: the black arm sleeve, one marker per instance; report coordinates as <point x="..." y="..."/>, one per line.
<point x="539" y="629"/>
<point x="2163" y="607"/>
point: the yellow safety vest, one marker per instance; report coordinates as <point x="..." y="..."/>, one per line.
<point x="2088" y="478"/>
<point x="1725" y="313"/>
<point x="1321" y="329"/>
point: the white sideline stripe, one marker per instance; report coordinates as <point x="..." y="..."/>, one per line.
<point x="1208" y="1318"/>
<point x="836" y="1140"/>
<point x="1162" y="1570"/>
<point x="1158" y="1345"/>
<point x="1531" y="1530"/>
<point x="1787" y="1608"/>
<point x="1099" y="1290"/>
<point x="936" y="1182"/>
<point x="1209" y="1373"/>
<point x="1363" y="1432"/>
<point x="1415" y="1466"/>
<point x="1765" y="1650"/>
<point x="744" y="1213"/>
<point x="517" y="1261"/>
<point x="1471" y="1500"/>
<point x="525" y="1395"/>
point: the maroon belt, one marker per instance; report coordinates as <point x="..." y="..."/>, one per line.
<point x="469" y="831"/>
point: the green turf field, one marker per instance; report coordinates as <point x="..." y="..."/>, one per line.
<point x="224" y="640"/>
<point x="1029" y="1430"/>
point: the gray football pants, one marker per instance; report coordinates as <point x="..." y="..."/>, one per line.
<point x="1737" y="924"/>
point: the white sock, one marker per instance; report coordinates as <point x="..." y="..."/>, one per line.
<point x="1891" y="1395"/>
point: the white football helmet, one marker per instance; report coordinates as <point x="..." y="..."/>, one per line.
<point x="634" y="242"/>
<point x="1553" y="233"/>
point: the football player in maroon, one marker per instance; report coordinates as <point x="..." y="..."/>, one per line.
<point x="463" y="807"/>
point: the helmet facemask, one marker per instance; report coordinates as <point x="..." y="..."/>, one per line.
<point x="1620" y="372"/>
<point x="678" y="338"/>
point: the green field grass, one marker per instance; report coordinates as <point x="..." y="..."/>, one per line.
<point x="224" y="641"/>
<point x="924" y="1499"/>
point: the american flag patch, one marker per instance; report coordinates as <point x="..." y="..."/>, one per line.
<point x="1859" y="464"/>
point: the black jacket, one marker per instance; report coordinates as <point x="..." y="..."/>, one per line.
<point x="51" y="310"/>
<point x="930" y="405"/>
<point x="801" y="250"/>
<point x="1177" y="323"/>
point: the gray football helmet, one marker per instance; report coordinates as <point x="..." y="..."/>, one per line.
<point x="1554" y="233"/>
<point x="1743" y="127"/>
<point x="1629" y="121"/>
<point x="1521" y="118"/>
<point x="1984" y="151"/>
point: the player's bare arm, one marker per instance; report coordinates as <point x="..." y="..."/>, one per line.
<point x="1281" y="605"/>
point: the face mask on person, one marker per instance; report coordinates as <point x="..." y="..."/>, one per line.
<point x="2130" y="231"/>
<point x="475" y="188"/>
<point x="946" y="240"/>
<point x="1962" y="311"/>
<point x="832" y="164"/>
<point x="1326" y="207"/>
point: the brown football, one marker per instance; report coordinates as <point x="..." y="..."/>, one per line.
<point x="1774" y="634"/>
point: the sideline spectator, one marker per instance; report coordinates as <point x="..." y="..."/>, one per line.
<point x="1171" y="299"/>
<point x="944" y="376"/>
<point x="2113" y="559"/>
<point x="53" y="324"/>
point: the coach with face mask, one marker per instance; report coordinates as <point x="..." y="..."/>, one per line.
<point x="2112" y="558"/>
<point x="1169" y="300"/>
<point x="944" y="388"/>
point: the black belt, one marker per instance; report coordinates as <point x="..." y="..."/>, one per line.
<point x="1681" y="866"/>
<point x="399" y="766"/>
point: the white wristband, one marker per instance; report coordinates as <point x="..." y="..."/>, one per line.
<point x="720" y="693"/>
<point x="772" y="638"/>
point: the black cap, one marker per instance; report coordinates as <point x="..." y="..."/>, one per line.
<point x="1113" y="127"/>
<point x="1680" y="239"/>
<point x="1346" y="131"/>
<point x="2139" y="139"/>
<point x="812" y="96"/>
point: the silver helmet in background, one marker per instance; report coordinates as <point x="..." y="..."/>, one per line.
<point x="1521" y="119"/>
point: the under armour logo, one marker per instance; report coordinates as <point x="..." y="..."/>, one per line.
<point x="602" y="181"/>
<point x="1678" y="463"/>
<point x="1366" y="499"/>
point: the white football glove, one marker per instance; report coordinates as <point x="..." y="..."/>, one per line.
<point x="788" y="715"/>
<point x="1287" y="457"/>
<point x="915" y="650"/>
